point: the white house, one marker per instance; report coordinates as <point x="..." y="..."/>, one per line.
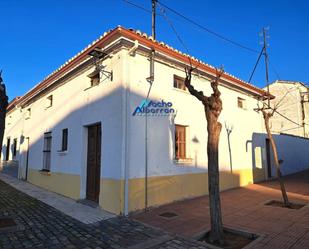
<point x="292" y="98"/>
<point x="77" y="133"/>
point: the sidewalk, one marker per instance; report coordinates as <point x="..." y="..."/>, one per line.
<point x="244" y="208"/>
<point x="80" y="212"/>
<point x="36" y="225"/>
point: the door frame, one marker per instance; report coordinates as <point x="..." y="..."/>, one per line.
<point x="99" y="125"/>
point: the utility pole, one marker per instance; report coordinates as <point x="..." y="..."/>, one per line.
<point x="266" y="60"/>
<point x="153" y="30"/>
<point x="267" y="116"/>
<point x="150" y="79"/>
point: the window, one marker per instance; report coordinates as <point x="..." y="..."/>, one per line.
<point x="180" y="142"/>
<point x="28" y="113"/>
<point x="49" y="101"/>
<point x="64" y="146"/>
<point x="241" y="103"/>
<point x="14" y="147"/>
<point x="47" y="151"/>
<point x="179" y="82"/>
<point x="94" y="77"/>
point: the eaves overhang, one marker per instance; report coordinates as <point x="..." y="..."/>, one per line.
<point x="146" y="41"/>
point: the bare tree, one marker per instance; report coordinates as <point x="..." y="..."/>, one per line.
<point x="3" y="106"/>
<point x="213" y="108"/>
<point x="268" y="112"/>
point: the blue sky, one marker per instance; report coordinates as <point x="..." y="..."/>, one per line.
<point x="36" y="37"/>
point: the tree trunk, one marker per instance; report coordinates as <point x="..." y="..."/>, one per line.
<point x="213" y="108"/>
<point x="274" y="148"/>
<point x="3" y="106"/>
<point x="214" y="129"/>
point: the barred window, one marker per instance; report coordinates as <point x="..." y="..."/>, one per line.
<point x="65" y="133"/>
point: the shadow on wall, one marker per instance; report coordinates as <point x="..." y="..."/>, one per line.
<point x="68" y="169"/>
<point x="292" y="150"/>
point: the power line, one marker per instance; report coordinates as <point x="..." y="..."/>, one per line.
<point x="138" y="6"/>
<point x="257" y="62"/>
<point x="196" y="24"/>
<point x="173" y="28"/>
<point x="289" y="119"/>
<point x="274" y="69"/>
<point x="209" y="31"/>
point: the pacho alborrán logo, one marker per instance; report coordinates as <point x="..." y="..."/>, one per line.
<point x="154" y="108"/>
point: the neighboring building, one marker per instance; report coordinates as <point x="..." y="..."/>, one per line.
<point x="293" y="99"/>
<point x="75" y="132"/>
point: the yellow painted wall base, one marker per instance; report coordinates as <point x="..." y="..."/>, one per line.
<point x="111" y="195"/>
<point x="166" y="189"/>
<point x="65" y="184"/>
<point x="161" y="189"/>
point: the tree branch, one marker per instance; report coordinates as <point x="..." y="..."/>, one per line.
<point x="198" y="94"/>
<point x="215" y="83"/>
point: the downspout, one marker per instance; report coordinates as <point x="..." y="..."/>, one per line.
<point x="125" y="144"/>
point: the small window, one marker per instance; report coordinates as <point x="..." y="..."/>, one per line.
<point x="241" y="103"/>
<point x="28" y="113"/>
<point x="49" y="101"/>
<point x="180" y="142"/>
<point x="14" y="147"/>
<point x="64" y="146"/>
<point x="179" y="82"/>
<point x="94" y="78"/>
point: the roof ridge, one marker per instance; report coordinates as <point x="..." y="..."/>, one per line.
<point x="143" y="35"/>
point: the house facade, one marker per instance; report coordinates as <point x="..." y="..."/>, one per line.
<point x="292" y="98"/>
<point x="83" y="132"/>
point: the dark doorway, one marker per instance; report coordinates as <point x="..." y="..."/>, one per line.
<point x="14" y="148"/>
<point x="27" y="158"/>
<point x="93" y="162"/>
<point x="8" y="147"/>
<point x="268" y="158"/>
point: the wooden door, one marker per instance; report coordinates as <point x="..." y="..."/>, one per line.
<point x="93" y="163"/>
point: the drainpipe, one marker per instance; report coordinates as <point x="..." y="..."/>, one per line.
<point x="125" y="144"/>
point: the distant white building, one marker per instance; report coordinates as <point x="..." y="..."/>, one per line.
<point x="75" y="132"/>
<point x="293" y="111"/>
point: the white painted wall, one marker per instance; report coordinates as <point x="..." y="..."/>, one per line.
<point x="189" y="112"/>
<point x="291" y="149"/>
<point x="75" y="106"/>
<point x="288" y="95"/>
<point x="13" y="129"/>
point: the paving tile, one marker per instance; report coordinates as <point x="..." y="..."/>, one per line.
<point x="243" y="208"/>
<point x="47" y="228"/>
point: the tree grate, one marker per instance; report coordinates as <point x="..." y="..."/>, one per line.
<point x="168" y="215"/>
